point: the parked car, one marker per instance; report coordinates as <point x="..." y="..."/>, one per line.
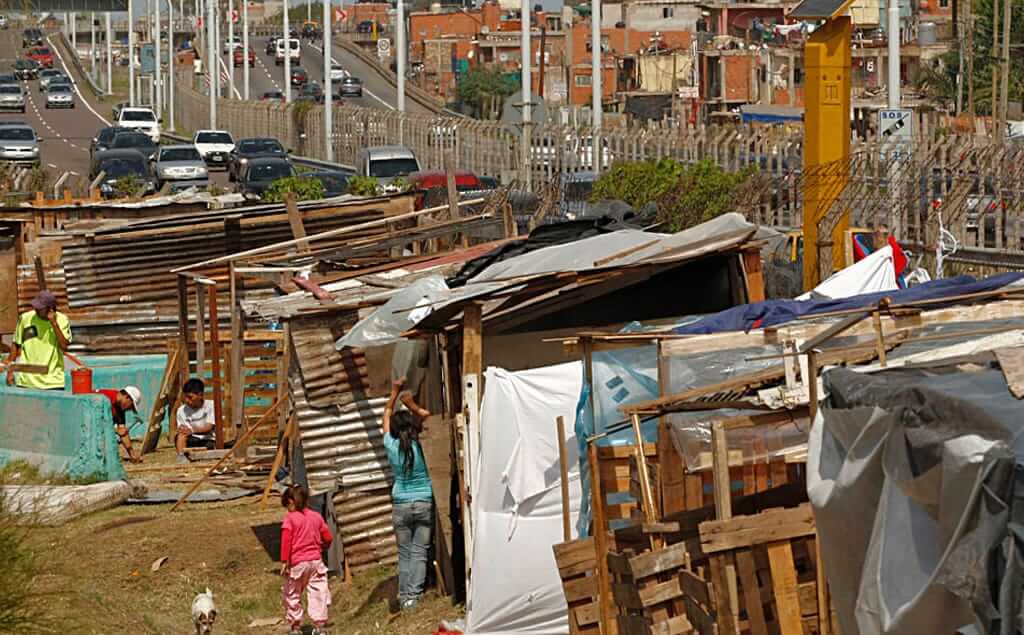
<point x="26" y="69"/>
<point x="215" y="146"/>
<point x="140" y="119"/>
<point x="8" y="78"/>
<point x="272" y="95"/>
<point x="181" y="166"/>
<point x="60" y="96"/>
<point x="42" y="55"/>
<point x="335" y="183"/>
<point x="135" y="140"/>
<point x="19" y="144"/>
<point x="295" y="48"/>
<point x="31" y="37"/>
<point x="351" y="87"/>
<point x="386" y="163"/>
<point x="102" y="141"/>
<point x="47" y="75"/>
<point x="299" y="76"/>
<point x="260" y="173"/>
<point x="238" y="59"/>
<point x="11" y="97"/>
<point x="256" y="148"/>
<point x="118" y="164"/>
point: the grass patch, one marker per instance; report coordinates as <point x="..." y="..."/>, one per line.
<point x="23" y="608"/>
<point x="24" y="473"/>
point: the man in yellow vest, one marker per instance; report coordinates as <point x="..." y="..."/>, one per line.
<point x="41" y="338"/>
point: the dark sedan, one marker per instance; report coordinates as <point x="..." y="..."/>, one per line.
<point x="26" y="69"/>
<point x="272" y="95"/>
<point x="118" y="164"/>
<point x="351" y="87"/>
<point x="335" y="183"/>
<point x="248" y="149"/>
<point x="299" y="76"/>
<point x="260" y="173"/>
<point x="134" y="140"/>
<point x="102" y="141"/>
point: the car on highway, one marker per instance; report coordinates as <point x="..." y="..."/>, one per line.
<point x="26" y="69"/>
<point x="386" y="163"/>
<point x="335" y="183"/>
<point x="122" y="164"/>
<point x="215" y="146"/>
<point x="8" y="78"/>
<point x="337" y="72"/>
<point x="11" y="97"/>
<point x="143" y="119"/>
<point x="31" y="37"/>
<point x="260" y="173"/>
<point x="311" y="91"/>
<point x="255" y="148"/>
<point x="238" y="60"/>
<point x="271" y="46"/>
<point x="351" y="87"/>
<point x="102" y="141"/>
<point x="181" y="166"/>
<point x="19" y="144"/>
<point x="311" y="30"/>
<point x="295" y="48"/>
<point x="335" y="96"/>
<point x="231" y="44"/>
<point x="60" y="96"/>
<point x="47" y="75"/>
<point x="299" y="76"/>
<point x="3" y="22"/>
<point x="272" y="95"/>
<point x="43" y="55"/>
<point x="128" y="139"/>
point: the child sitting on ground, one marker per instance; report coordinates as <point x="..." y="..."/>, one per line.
<point x="304" y="535"/>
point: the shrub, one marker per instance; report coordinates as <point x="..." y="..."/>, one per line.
<point x="363" y="186"/>
<point x="130" y="186"/>
<point x="305" y="189"/>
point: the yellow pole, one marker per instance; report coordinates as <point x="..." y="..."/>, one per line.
<point x="826" y="139"/>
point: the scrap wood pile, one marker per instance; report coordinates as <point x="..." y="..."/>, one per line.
<point x="710" y="530"/>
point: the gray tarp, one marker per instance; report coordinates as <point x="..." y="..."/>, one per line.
<point x="912" y="474"/>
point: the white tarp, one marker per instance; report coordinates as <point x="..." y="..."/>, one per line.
<point x="874" y="273"/>
<point x="517" y="500"/>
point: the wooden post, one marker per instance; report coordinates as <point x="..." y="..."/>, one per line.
<point x="812" y="383"/>
<point x="285" y="441"/>
<point x="876" y="322"/>
<point x="200" y="330"/>
<point x="295" y="220"/>
<point x="218" y="388"/>
<point x="40" y="273"/>
<point x="183" y="328"/>
<point x="646" y="491"/>
<point x="600" y="531"/>
<point x="724" y="564"/>
<point x="237" y="357"/>
<point x="472" y="369"/>
<point x="563" y="464"/>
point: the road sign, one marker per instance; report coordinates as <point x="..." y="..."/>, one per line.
<point x="688" y="92"/>
<point x="383" y="45"/>
<point x="340" y="15"/>
<point x="896" y="124"/>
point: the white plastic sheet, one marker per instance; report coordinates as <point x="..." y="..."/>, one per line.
<point x="874" y="273"/>
<point x="517" y="501"/>
<point x="400" y="313"/>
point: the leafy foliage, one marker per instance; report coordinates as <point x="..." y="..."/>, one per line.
<point x="305" y="189"/>
<point x="36" y="180"/>
<point x="482" y="84"/>
<point x="130" y="185"/>
<point x="686" y="195"/>
<point x="363" y="186"/>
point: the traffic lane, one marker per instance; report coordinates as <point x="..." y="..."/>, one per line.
<point x="377" y="93"/>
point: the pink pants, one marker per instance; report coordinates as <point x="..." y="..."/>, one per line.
<point x="310" y="576"/>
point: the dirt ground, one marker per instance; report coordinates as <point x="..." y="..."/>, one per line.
<point x="99" y="572"/>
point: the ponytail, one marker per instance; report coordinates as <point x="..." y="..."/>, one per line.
<point x="295" y="494"/>
<point x="406" y="429"/>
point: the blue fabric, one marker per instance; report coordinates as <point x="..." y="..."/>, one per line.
<point x="773" y="312"/>
<point x="409" y="486"/>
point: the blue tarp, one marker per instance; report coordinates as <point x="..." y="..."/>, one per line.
<point x="773" y="312"/>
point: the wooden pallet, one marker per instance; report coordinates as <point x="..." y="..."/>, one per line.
<point x="577" y="566"/>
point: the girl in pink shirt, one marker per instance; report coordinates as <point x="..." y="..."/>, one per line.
<point x="304" y="535"/>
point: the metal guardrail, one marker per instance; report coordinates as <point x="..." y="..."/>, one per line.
<point x="77" y="63"/>
<point x="413" y="92"/>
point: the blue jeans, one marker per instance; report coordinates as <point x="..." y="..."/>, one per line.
<point x="413" y="524"/>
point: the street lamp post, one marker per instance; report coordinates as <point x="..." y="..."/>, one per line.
<point x="211" y="61"/>
<point x="170" y="64"/>
<point x="110" y="57"/>
<point x="400" y="43"/>
<point x="245" y="48"/>
<point x="131" y="56"/>
<point x="328" y="88"/>
<point x="287" y="56"/>
<point x="231" y="49"/>
<point x="157" y="74"/>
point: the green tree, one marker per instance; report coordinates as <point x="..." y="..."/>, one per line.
<point x="686" y="195"/>
<point x="481" y="84"/>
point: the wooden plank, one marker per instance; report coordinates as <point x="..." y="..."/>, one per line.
<point x="295" y="221"/>
<point x="619" y="564"/>
<point x="701" y="621"/>
<point x="745" y="568"/>
<point x="726" y="618"/>
<point x="625" y="451"/>
<point x="587" y="614"/>
<point x="695" y="587"/>
<point x="720" y="469"/>
<point x="580" y="588"/>
<point x="784" y="586"/>
<point x="575" y="551"/>
<point x="626" y="596"/>
<point x="600" y="528"/>
<point x="823" y="594"/>
<point x="661" y="592"/>
<point x="758" y="529"/>
<point x="677" y="625"/>
<point x="1011" y="361"/>
<point x="655" y="562"/>
<point x="563" y="460"/>
<point x="218" y="393"/>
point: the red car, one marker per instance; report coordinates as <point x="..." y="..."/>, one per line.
<point x="41" y="55"/>
<point x="427" y="182"/>
<point x="238" y="61"/>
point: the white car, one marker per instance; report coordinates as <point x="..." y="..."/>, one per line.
<point x="3" y="21"/>
<point x="337" y="72"/>
<point x="140" y="119"/>
<point x="295" y="49"/>
<point x="230" y="44"/>
<point x="215" y="146"/>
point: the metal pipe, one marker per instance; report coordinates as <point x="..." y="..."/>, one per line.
<point x="110" y="57"/>
<point x="245" y="49"/>
<point x="893" y="34"/>
<point x="287" y="56"/>
<point x="211" y="62"/>
<point x="328" y="88"/>
<point x="131" y="56"/>
<point x="231" y="48"/>
<point x="400" y="43"/>
<point x="157" y="74"/>
<point x="526" y="88"/>
<point x="170" y="64"/>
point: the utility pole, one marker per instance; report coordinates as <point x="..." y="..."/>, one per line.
<point x="540" y="62"/>
<point x="328" y="88"/>
<point x="567" y="14"/>
<point x="157" y="74"/>
<point x="893" y="28"/>
<point x="131" y="56"/>
<point x="216" y="46"/>
<point x="245" y="49"/>
<point x="527" y="90"/>
<point x="92" y="45"/>
<point x="970" y="61"/>
<point x="400" y="44"/>
<point x="309" y="10"/>
<point x="287" y="56"/>
<point x="595" y="82"/>
<point x="995" y="68"/>
<point x="231" y="49"/>
<point x="170" y="63"/>
<point x="110" y="57"/>
<point x="74" y="32"/>
<point x="1004" y="70"/>
<point x="211" y="61"/>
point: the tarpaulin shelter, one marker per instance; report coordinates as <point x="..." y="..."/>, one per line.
<point x="913" y="475"/>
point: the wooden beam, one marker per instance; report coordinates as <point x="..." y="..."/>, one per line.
<point x="472" y="377"/>
<point x="563" y="465"/>
<point x="200" y="330"/>
<point x="237" y="358"/>
<point x="295" y="220"/>
<point x="183" y="328"/>
<point x="218" y="392"/>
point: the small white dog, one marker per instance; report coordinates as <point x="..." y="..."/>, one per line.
<point x="204" y="613"/>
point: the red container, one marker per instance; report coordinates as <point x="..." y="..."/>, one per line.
<point x="81" y="381"/>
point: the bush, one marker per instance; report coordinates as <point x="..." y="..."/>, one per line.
<point x="130" y="186"/>
<point x="686" y="195"/>
<point x="22" y="606"/>
<point x="305" y="189"/>
<point x="363" y="186"/>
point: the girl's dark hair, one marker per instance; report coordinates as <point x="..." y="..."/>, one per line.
<point x="295" y="494"/>
<point x="406" y="428"/>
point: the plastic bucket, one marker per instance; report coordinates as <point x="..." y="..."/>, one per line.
<point x="81" y="381"/>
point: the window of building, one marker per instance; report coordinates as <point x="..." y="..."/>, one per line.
<point x="583" y="80"/>
<point x="944" y="4"/>
<point x="666" y="12"/>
